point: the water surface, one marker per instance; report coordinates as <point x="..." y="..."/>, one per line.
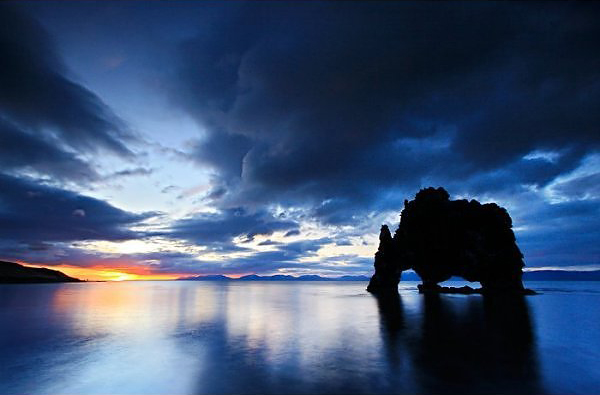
<point x="313" y="337"/>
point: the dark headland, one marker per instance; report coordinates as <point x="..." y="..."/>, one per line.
<point x="440" y="238"/>
<point x="13" y="273"/>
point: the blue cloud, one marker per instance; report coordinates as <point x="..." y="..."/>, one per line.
<point x="32" y="212"/>
<point x="37" y="94"/>
<point x="219" y="229"/>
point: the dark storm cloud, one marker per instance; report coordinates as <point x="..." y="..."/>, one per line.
<point x="285" y="256"/>
<point x="37" y="94"/>
<point x="293" y="232"/>
<point x="31" y="212"/>
<point x="326" y="100"/>
<point x="511" y="177"/>
<point x="219" y="229"/>
<point x="20" y="150"/>
<point x="223" y="152"/>
<point x="560" y="234"/>
<point x="138" y="171"/>
<point x="269" y="243"/>
<point x="585" y="187"/>
<point x="343" y="242"/>
<point x="300" y="248"/>
<point x="58" y="253"/>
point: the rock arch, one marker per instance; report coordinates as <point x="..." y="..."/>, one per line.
<point x="439" y="238"/>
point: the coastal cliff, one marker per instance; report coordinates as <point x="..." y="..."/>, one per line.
<point x="15" y="273"/>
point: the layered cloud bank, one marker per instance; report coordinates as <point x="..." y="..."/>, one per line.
<point x="270" y="138"/>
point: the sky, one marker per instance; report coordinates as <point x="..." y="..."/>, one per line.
<point x="147" y="140"/>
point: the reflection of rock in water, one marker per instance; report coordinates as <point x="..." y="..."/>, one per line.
<point x="391" y="316"/>
<point x="484" y="345"/>
<point x="488" y="348"/>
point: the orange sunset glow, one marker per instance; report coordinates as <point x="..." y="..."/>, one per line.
<point x="101" y="273"/>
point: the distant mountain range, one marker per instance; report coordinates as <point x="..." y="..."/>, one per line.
<point x="11" y="272"/>
<point x="539" y="275"/>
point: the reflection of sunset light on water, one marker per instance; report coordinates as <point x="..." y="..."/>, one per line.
<point x="127" y="330"/>
<point x="119" y="306"/>
<point x="132" y="328"/>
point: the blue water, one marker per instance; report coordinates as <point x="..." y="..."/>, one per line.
<point x="270" y="337"/>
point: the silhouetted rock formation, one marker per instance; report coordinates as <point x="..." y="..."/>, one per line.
<point x="388" y="267"/>
<point x="11" y="272"/>
<point x="439" y="238"/>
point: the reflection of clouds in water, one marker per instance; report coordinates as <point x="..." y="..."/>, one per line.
<point x="277" y="334"/>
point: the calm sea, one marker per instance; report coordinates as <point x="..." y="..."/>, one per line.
<point x="281" y="337"/>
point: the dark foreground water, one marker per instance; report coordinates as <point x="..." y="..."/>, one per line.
<point x="266" y="337"/>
